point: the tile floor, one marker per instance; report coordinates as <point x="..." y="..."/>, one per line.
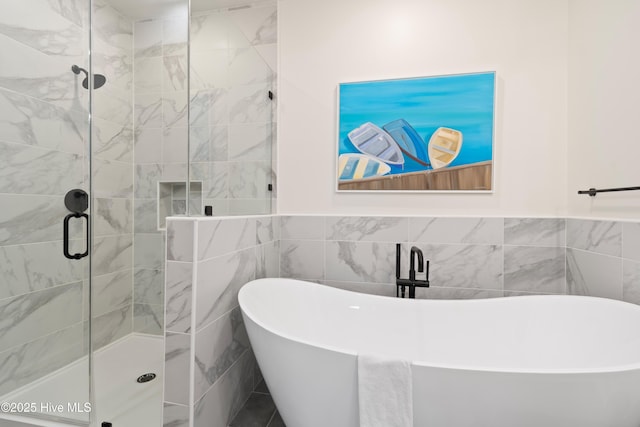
<point x="258" y="411"/>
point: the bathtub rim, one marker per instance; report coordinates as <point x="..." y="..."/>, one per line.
<point x="612" y="369"/>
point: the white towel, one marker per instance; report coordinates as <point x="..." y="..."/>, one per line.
<point x="385" y="392"/>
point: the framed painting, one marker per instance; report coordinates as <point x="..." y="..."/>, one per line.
<point x="417" y="134"/>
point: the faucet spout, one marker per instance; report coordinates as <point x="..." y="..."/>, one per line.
<point x="412" y="264"/>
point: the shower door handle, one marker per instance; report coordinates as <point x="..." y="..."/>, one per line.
<point x="66" y="235"/>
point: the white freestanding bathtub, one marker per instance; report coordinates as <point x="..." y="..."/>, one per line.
<point x="539" y="361"/>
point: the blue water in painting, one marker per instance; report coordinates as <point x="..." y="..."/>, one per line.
<point x="461" y="102"/>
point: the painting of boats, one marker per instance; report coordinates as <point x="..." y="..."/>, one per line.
<point x="415" y="128"/>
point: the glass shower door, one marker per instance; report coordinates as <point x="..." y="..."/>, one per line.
<point x="44" y="262"/>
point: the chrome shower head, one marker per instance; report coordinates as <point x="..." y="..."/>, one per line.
<point x="98" y="79"/>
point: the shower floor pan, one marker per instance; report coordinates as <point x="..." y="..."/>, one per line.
<point x="119" y="398"/>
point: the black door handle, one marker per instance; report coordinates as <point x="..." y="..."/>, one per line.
<point x="66" y="235"/>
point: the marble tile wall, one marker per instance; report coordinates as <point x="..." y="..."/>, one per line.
<point x="469" y="257"/>
<point x="603" y="259"/>
<point x="43" y="134"/>
<point x="233" y="63"/>
<point x="208" y="260"/>
<point x="160" y="133"/>
<point x="112" y="174"/>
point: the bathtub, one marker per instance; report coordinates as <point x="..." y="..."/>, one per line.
<point x="539" y="361"/>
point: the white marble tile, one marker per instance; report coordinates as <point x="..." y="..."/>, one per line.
<point x="209" y="144"/>
<point x="21" y="365"/>
<point x="26" y="120"/>
<point x="174" y="172"/>
<point x="435" y="292"/>
<point x="360" y="262"/>
<point x="302" y="259"/>
<point x="366" y="228"/>
<point x="111" y="292"/>
<point x="209" y="108"/>
<point x="149" y="250"/>
<point x="225" y="398"/>
<point x="30" y="219"/>
<point x="604" y="237"/>
<point x="33" y="267"/>
<point x="593" y="274"/>
<point x="148" y="286"/>
<point x="302" y="227"/>
<point x="268" y="260"/>
<point x="250" y="206"/>
<point x="176" y="372"/>
<point x="219" y="280"/>
<point x="180" y="240"/>
<point x="178" y="295"/>
<point x="460" y="266"/>
<point x="115" y="64"/>
<point x="112" y="326"/>
<point x="631" y="281"/>
<point x="146" y="180"/>
<point x="456" y="230"/>
<point x="145" y="216"/>
<point x="112" y="216"/>
<point x="535" y="231"/>
<point x="111" y="27"/>
<point x="148" y="319"/>
<point x="111" y="141"/>
<point x="381" y="289"/>
<point x="246" y="67"/>
<point x="148" y="75"/>
<point x="218" y="346"/>
<point x="175" y="146"/>
<point x="209" y="31"/>
<point x="219" y="237"/>
<point x="175" y="35"/>
<point x="33" y="170"/>
<point x="175" y="415"/>
<point x="250" y="103"/>
<point x="31" y="316"/>
<point x="631" y="240"/>
<point x="148" y="145"/>
<point x="250" y="142"/>
<point x="267" y="229"/>
<point x="534" y="269"/>
<point x="258" y="24"/>
<point x="112" y="253"/>
<point x="112" y="179"/>
<point x="148" y="110"/>
<point x="114" y="105"/>
<point x="174" y="73"/>
<point x="209" y="70"/>
<point x="174" y="109"/>
<point x="269" y="53"/>
<point x="147" y="40"/>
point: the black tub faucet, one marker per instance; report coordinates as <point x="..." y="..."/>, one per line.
<point x="412" y="282"/>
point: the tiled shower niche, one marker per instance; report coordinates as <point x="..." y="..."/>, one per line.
<point x="172" y="200"/>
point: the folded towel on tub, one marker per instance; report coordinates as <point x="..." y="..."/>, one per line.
<point x="385" y="392"/>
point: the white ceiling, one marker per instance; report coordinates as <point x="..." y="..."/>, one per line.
<point x="142" y="9"/>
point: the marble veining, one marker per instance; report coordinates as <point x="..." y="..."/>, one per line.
<point x="267" y="229"/>
<point x="456" y="230"/>
<point x="111" y="292"/>
<point x="302" y="227"/>
<point x="302" y="259"/>
<point x="111" y="326"/>
<point x="219" y="280"/>
<point x="112" y="179"/>
<point x="603" y="237"/>
<point x="436" y="292"/>
<point x="535" y="231"/>
<point x="631" y="281"/>
<point x="250" y="103"/>
<point x="112" y="253"/>
<point x="146" y="180"/>
<point x="209" y="107"/>
<point x="218" y="346"/>
<point x="111" y="141"/>
<point x="631" y="240"/>
<point x="268" y="260"/>
<point x="360" y="261"/>
<point x="148" y="110"/>
<point x="175" y="73"/>
<point x="250" y="142"/>
<point x="21" y="365"/>
<point x="148" y="319"/>
<point x="177" y="377"/>
<point x="175" y="415"/>
<point x="534" y="269"/>
<point x="180" y="240"/>
<point x="593" y="274"/>
<point x="178" y="295"/>
<point x="149" y="286"/>
<point x="380" y="229"/>
<point x="218" y="237"/>
<point x="27" y="317"/>
<point x="147" y="250"/>
<point x="112" y="216"/>
<point x="33" y="267"/>
<point x="30" y="219"/>
<point x="258" y="24"/>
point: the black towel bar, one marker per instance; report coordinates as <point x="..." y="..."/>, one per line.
<point x="592" y="191"/>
